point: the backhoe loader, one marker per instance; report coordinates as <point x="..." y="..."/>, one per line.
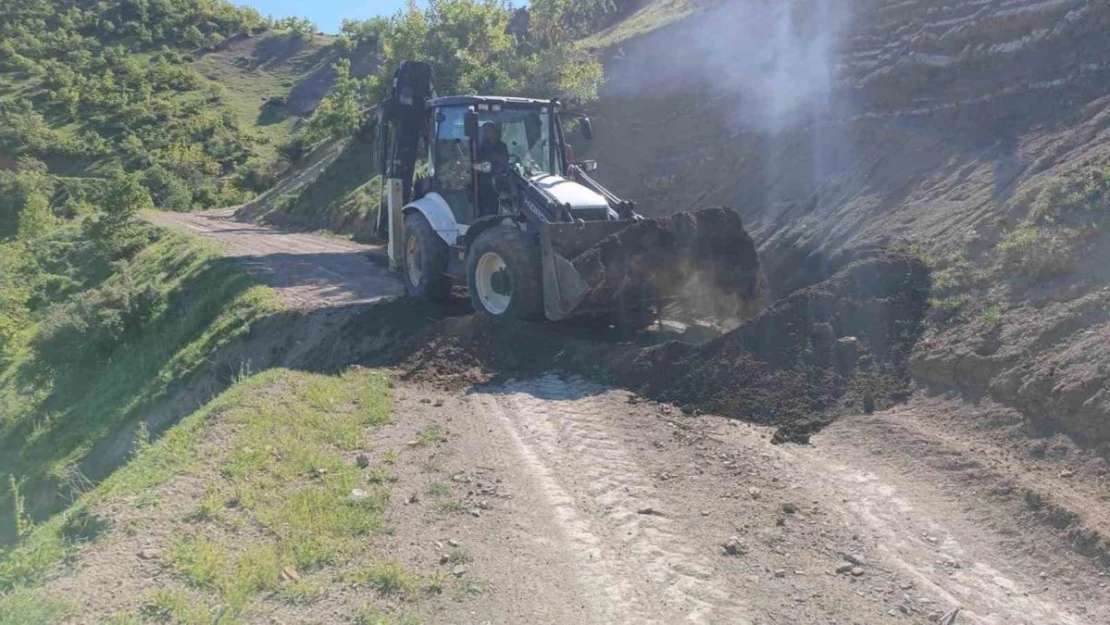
<point x="483" y="191"/>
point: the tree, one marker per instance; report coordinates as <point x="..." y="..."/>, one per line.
<point x="36" y="218"/>
<point x="113" y="230"/>
<point x="339" y="113"/>
<point x="167" y="191"/>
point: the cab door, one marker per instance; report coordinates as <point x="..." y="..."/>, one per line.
<point x="454" y="176"/>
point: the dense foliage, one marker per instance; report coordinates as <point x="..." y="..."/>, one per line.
<point x="88" y="87"/>
<point x="475" y="46"/>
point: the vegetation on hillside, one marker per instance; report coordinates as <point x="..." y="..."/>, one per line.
<point x="97" y="326"/>
<point x="474" y="47"/>
<point x="86" y="88"/>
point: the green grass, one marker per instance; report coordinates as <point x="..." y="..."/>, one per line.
<point x="124" y="618"/>
<point x="429" y="436"/>
<point x="452" y="507"/>
<point x="174" y="606"/>
<point x="53" y="418"/>
<point x="285" y="467"/>
<point x="372" y="615"/>
<point x="388" y="578"/>
<point x="23" y="607"/>
<point x="1083" y="194"/>
<point x="438" y="489"/>
<point x="459" y="556"/>
<point x="258" y="69"/>
<point x="341" y="193"/>
<point x="654" y="15"/>
<point x="209" y="565"/>
<point x="991" y="315"/>
<point x="300" y="593"/>
<point x="201" y="561"/>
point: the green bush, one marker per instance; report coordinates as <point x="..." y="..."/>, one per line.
<point x="295" y="149"/>
<point x="98" y="322"/>
<point x="257" y="176"/>
<point x="167" y="191"/>
<point x="1036" y="252"/>
<point x="1085" y="193"/>
<point x="114" y="230"/>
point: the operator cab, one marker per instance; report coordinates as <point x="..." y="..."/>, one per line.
<point x="478" y="140"/>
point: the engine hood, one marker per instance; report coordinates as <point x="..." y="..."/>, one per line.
<point x="569" y="192"/>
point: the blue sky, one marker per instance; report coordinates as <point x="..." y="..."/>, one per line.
<point x="328" y="14"/>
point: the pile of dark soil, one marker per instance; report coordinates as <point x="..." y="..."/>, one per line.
<point x="707" y="248"/>
<point x="838" y="346"/>
<point x="477" y="349"/>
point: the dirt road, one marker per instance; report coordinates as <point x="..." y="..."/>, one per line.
<point x="586" y="504"/>
<point x="609" y="509"/>
<point x="307" y="270"/>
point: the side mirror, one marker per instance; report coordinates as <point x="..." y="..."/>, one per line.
<point x="587" y="166"/>
<point x="471" y="124"/>
<point x="585" y="128"/>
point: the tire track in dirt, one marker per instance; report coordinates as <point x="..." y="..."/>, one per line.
<point x="948" y="536"/>
<point x="641" y="570"/>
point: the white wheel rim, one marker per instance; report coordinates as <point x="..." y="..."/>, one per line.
<point x="488" y="265"/>
<point x="412" y="261"/>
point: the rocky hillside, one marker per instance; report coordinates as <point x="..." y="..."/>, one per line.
<point x="973" y="133"/>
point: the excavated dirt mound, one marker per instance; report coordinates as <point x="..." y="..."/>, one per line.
<point x="706" y="250"/>
<point x="838" y="346"/>
<point x="841" y="344"/>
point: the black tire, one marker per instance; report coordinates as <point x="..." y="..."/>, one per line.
<point x="520" y="278"/>
<point x="425" y="260"/>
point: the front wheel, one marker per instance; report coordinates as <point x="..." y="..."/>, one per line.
<point x="504" y="275"/>
<point x="425" y="260"/>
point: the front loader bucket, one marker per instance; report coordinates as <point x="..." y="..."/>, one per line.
<point x="563" y="287"/>
<point x="603" y="267"/>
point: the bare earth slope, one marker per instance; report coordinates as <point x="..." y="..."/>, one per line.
<point x="834" y="127"/>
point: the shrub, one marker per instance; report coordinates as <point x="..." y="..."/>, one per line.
<point x="1085" y="192"/>
<point x="94" y="324"/>
<point x="257" y="176"/>
<point x="1036" y="252"/>
<point x="167" y="191"/>
<point x="991" y="315"/>
<point x="295" y="149"/>
<point x="114" y="230"/>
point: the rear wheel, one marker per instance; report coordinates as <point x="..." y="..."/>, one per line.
<point x="425" y="260"/>
<point x="503" y="274"/>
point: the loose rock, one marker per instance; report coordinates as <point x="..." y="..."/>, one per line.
<point x="734" y="547"/>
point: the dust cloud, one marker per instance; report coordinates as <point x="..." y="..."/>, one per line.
<point x="778" y="57"/>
